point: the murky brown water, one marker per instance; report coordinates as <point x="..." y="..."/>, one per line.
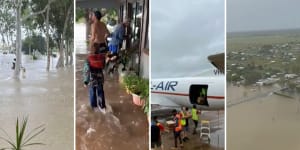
<point x="47" y="98"/>
<point x="125" y="128"/>
<point x="270" y="122"/>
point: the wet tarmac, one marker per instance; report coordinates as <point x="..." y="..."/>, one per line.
<point x="268" y="122"/>
<point x="125" y="128"/>
<point x="196" y="143"/>
<point x="45" y="97"/>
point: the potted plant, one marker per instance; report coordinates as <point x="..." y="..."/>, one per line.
<point x="129" y="82"/>
<point x="137" y="87"/>
<point x="136" y="91"/>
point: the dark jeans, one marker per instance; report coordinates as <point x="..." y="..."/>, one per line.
<point x="155" y="144"/>
<point x="177" y="136"/>
<point x="97" y="96"/>
<point x="196" y="125"/>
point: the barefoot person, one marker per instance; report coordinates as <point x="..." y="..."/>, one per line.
<point x="117" y="38"/>
<point x="93" y="77"/>
<point x="115" y="43"/>
<point x="99" y="32"/>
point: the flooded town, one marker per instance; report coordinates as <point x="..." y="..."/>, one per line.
<point x="263" y="86"/>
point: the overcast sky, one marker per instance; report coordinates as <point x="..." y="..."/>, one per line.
<point x="184" y="34"/>
<point x="247" y="15"/>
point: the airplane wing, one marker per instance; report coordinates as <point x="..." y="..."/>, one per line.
<point x="218" y="61"/>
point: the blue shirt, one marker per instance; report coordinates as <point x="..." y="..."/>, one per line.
<point x="118" y="35"/>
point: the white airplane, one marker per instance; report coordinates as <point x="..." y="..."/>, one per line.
<point x="207" y="93"/>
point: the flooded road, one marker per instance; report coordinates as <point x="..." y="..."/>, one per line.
<point x="270" y="122"/>
<point x="125" y="128"/>
<point x="80" y="39"/>
<point x="45" y="97"/>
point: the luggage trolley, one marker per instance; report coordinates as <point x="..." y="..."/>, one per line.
<point x="205" y="130"/>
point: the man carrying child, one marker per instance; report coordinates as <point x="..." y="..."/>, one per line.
<point x="94" y="78"/>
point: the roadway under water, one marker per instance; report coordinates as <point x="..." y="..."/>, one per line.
<point x="45" y="97"/>
<point x="125" y="128"/>
<point x="267" y="122"/>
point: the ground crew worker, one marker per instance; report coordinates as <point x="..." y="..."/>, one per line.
<point x="195" y="117"/>
<point x="183" y="121"/>
<point x="177" y="128"/>
<point x="156" y="129"/>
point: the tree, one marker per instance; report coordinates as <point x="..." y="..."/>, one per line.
<point x="28" y="13"/>
<point x="42" y="22"/>
<point x="19" y="8"/>
<point x="60" y="23"/>
<point x="251" y="76"/>
<point x="7" y="28"/>
<point x="36" y="42"/>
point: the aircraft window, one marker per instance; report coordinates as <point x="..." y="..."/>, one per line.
<point x="198" y="94"/>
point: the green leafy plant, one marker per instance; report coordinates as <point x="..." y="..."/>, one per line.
<point x="145" y="95"/>
<point x="138" y="86"/>
<point x="22" y="139"/>
<point x="146" y="106"/>
<point x="132" y="82"/>
<point x="144" y="88"/>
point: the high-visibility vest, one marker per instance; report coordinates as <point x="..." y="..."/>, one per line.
<point x="183" y="120"/>
<point x="178" y="126"/>
<point x="194" y="114"/>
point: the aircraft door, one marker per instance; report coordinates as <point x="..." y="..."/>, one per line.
<point x="198" y="94"/>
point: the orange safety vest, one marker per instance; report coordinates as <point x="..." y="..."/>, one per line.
<point x="178" y="123"/>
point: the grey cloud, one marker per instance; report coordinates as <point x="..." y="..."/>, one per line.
<point x="247" y="15"/>
<point x="183" y="35"/>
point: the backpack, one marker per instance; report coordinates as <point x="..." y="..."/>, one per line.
<point x="96" y="65"/>
<point x="97" y="61"/>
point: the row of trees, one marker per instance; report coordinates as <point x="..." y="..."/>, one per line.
<point x="52" y="18"/>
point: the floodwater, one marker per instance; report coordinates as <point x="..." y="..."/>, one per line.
<point x="45" y="97"/>
<point x="124" y="127"/>
<point x="80" y="39"/>
<point x="267" y="122"/>
<point x="196" y="143"/>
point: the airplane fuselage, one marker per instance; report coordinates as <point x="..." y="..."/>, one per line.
<point x="206" y="93"/>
